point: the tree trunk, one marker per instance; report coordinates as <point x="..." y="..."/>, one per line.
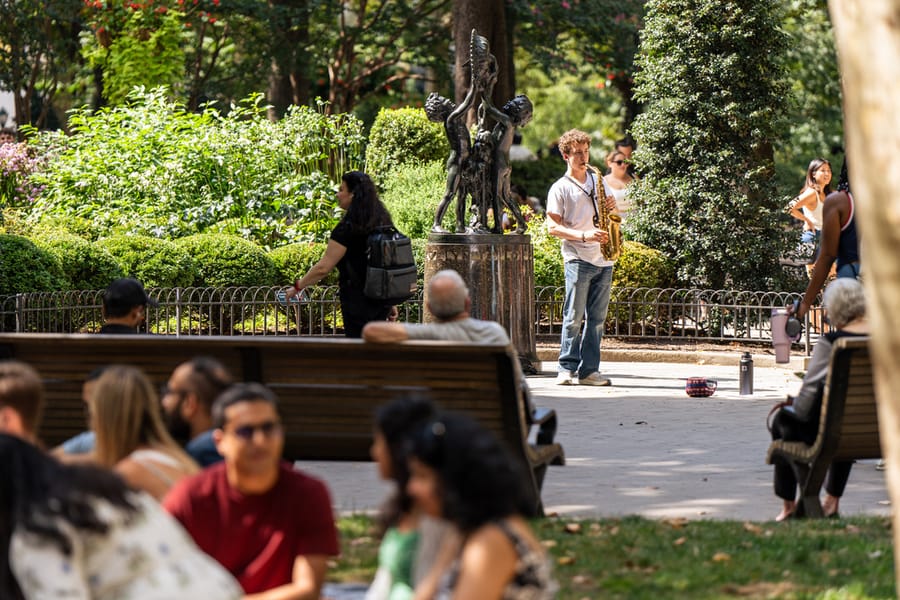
<point x="289" y="80"/>
<point x="489" y="18"/>
<point x="868" y="40"/>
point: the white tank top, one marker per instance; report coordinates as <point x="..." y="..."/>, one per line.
<point x="623" y="204"/>
<point x="815" y="215"/>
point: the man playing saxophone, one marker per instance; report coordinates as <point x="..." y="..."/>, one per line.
<point x="577" y="218"/>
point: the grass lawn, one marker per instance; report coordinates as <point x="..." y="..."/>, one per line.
<point x="637" y="558"/>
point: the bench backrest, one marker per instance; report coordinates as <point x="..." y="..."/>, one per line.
<point x="849" y="420"/>
<point x="328" y="388"/>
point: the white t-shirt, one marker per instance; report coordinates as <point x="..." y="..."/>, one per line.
<point x="572" y="201"/>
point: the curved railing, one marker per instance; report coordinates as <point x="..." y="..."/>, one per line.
<point x="664" y="314"/>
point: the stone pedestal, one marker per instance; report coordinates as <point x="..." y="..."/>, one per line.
<point x="499" y="271"/>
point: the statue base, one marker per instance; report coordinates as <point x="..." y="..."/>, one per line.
<point x="499" y="271"/>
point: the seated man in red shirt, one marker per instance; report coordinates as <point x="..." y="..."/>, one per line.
<point x="272" y="527"/>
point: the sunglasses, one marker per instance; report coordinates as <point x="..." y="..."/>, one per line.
<point x="619" y="162"/>
<point x="268" y="429"/>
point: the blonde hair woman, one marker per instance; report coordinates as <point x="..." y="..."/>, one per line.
<point x="131" y="437"/>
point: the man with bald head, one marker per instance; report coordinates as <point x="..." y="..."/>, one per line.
<point x="449" y="302"/>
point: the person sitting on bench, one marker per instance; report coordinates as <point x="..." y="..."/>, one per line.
<point x="845" y="309"/>
<point x="449" y="302"/>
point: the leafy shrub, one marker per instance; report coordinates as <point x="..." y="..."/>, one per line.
<point x="86" y="266"/>
<point x="25" y="267"/>
<point x="154" y="168"/>
<point x="640" y="266"/>
<point x="714" y="93"/>
<point x="292" y="261"/>
<point x="401" y="136"/>
<point x="227" y="260"/>
<point x="412" y="194"/>
<point x="154" y="262"/>
<point x="547" y="249"/>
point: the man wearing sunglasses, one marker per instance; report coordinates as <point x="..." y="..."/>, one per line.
<point x="272" y="527"/>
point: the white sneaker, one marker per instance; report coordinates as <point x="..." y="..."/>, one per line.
<point x="566" y="378"/>
<point x="594" y="379"/>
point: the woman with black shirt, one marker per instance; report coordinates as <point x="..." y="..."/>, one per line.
<point x="347" y="250"/>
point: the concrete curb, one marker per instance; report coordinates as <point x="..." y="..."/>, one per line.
<point x="798" y="362"/>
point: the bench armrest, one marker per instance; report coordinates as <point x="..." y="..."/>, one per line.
<point x="545" y="419"/>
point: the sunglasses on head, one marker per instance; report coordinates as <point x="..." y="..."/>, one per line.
<point x="268" y="429"/>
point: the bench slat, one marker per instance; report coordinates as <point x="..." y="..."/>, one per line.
<point x="328" y="388"/>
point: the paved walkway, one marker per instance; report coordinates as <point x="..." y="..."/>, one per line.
<point x="642" y="446"/>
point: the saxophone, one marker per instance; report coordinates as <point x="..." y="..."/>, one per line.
<point x="605" y="220"/>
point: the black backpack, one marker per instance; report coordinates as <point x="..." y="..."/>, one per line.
<point x="391" y="274"/>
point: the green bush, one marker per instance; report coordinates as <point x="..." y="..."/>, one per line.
<point x="26" y="267"/>
<point x="227" y="260"/>
<point x="547" y="249"/>
<point x="153" y="167"/>
<point x="154" y="262"/>
<point x="713" y="85"/>
<point x="402" y="136"/>
<point x="412" y="194"/>
<point x="86" y="266"/>
<point x="293" y="261"/>
<point x="640" y="266"/>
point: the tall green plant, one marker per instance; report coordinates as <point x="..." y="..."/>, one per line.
<point x="714" y="88"/>
<point x="153" y="168"/>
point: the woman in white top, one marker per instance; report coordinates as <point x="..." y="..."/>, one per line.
<point x="73" y="531"/>
<point x="617" y="181"/>
<point x="131" y="437"/>
<point x="807" y="206"/>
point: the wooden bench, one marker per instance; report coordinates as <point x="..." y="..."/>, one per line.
<point x="848" y="425"/>
<point x="328" y="388"/>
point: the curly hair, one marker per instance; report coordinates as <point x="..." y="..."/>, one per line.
<point x="570" y="138"/>
<point x="38" y="492"/>
<point x="366" y="212"/>
<point x="480" y="480"/>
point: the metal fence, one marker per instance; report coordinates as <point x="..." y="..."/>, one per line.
<point x="664" y="315"/>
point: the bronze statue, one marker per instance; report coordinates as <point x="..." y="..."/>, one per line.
<point x="480" y="170"/>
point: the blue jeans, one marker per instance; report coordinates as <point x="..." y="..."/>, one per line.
<point x="587" y="300"/>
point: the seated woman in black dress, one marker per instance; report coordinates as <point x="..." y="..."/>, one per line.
<point x="845" y="309"/>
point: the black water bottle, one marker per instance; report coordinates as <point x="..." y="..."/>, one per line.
<point x="746" y="374"/>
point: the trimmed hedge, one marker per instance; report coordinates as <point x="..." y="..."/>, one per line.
<point x="26" y="267"/>
<point x="227" y="260"/>
<point x="293" y="261"/>
<point x="86" y="266"/>
<point x="402" y="136"/>
<point x="412" y="196"/>
<point x="154" y="262"/>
